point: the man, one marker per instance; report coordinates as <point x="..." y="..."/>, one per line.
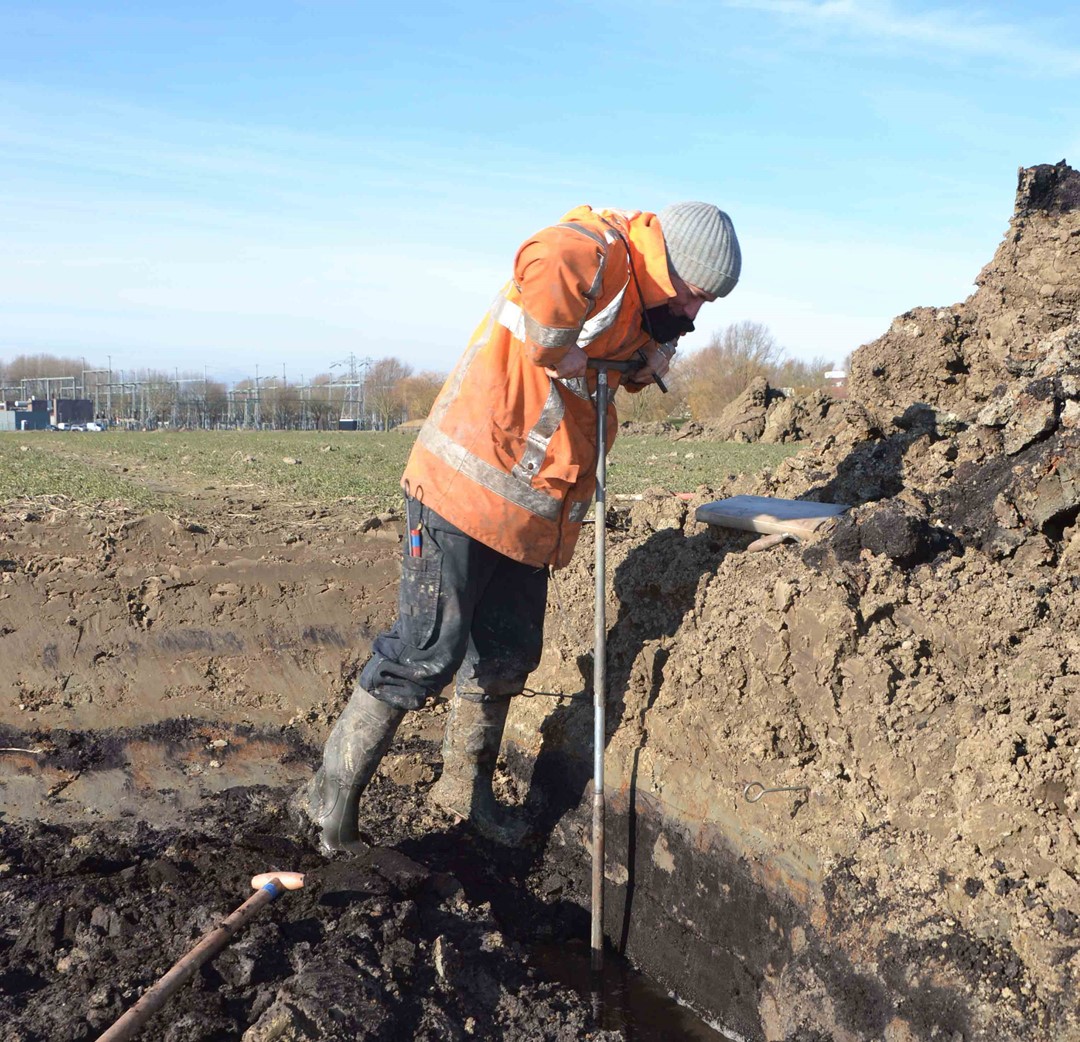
<point x="499" y="481"/>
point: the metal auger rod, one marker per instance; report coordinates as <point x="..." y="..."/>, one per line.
<point x="133" y="1021"/>
<point x="602" y="366"/>
<point x="599" y="672"/>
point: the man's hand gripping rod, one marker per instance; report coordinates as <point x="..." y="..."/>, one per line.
<point x="632" y="366"/>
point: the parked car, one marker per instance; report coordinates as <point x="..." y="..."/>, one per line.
<point x="76" y="427"/>
<point x="92" y="426"/>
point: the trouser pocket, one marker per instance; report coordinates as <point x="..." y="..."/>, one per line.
<point x="418" y="597"/>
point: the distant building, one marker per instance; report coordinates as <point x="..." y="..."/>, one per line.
<point x="36" y="414"/>
<point x="836" y="381"/>
<point x="29" y="415"/>
<point x="72" y="410"/>
<point x="23" y="420"/>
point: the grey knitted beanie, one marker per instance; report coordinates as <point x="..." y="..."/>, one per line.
<point x="701" y="243"/>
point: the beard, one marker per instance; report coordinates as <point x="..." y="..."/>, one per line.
<point x="663" y="325"/>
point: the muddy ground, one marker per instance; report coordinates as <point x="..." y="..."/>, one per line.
<point x="167" y="683"/>
<point x="913" y="675"/>
<point x="376" y="946"/>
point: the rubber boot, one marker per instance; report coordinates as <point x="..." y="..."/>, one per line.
<point x="470" y="748"/>
<point x="357" y="743"/>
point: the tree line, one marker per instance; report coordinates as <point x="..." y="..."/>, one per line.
<point x="703" y="382"/>
<point x="378" y="395"/>
<point x="384" y="393"/>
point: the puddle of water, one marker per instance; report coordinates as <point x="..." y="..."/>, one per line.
<point x="623" y="998"/>
<point x="145" y="776"/>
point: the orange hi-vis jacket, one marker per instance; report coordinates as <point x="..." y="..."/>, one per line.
<point x="508" y="453"/>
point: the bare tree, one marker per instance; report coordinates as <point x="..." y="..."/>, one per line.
<point x="800" y="376"/>
<point x="420" y="392"/>
<point x="159" y="400"/>
<point x="383" y="391"/>
<point x="722" y="370"/>
<point x="279" y="403"/>
<point x="214" y="403"/>
<point x="30" y="367"/>
<point x="324" y="402"/>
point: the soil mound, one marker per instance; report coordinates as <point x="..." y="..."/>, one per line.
<point x="763" y="413"/>
<point x="1023" y="313"/>
<point x="744" y="418"/>
<point x="801" y="418"/>
<point x="971" y="413"/>
<point x="652" y="429"/>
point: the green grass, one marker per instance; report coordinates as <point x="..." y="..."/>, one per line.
<point x="31" y="470"/>
<point x="165" y="465"/>
<point x="154" y="469"/>
<point x="639" y="462"/>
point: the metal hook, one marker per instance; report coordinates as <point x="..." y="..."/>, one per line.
<point x="763" y="790"/>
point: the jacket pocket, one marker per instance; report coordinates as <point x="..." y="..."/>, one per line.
<point x="558" y="478"/>
<point x="418" y="597"/>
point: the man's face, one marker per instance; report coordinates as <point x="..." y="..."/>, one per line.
<point x="688" y="299"/>
<point x="669" y="321"/>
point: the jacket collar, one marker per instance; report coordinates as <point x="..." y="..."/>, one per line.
<point x="647" y="249"/>
<point x="650" y="259"/>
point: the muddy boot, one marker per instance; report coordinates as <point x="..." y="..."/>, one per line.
<point x="357" y="743"/>
<point x="470" y="747"/>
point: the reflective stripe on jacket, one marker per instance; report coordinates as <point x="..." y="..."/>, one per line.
<point x="508" y="454"/>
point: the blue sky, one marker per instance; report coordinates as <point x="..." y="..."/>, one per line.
<point x="285" y="183"/>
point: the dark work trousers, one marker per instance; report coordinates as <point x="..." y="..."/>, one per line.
<point x="462" y="608"/>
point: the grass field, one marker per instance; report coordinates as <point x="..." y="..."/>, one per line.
<point x="153" y="469"/>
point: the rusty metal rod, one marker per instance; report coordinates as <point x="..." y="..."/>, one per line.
<point x="133" y="1021"/>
